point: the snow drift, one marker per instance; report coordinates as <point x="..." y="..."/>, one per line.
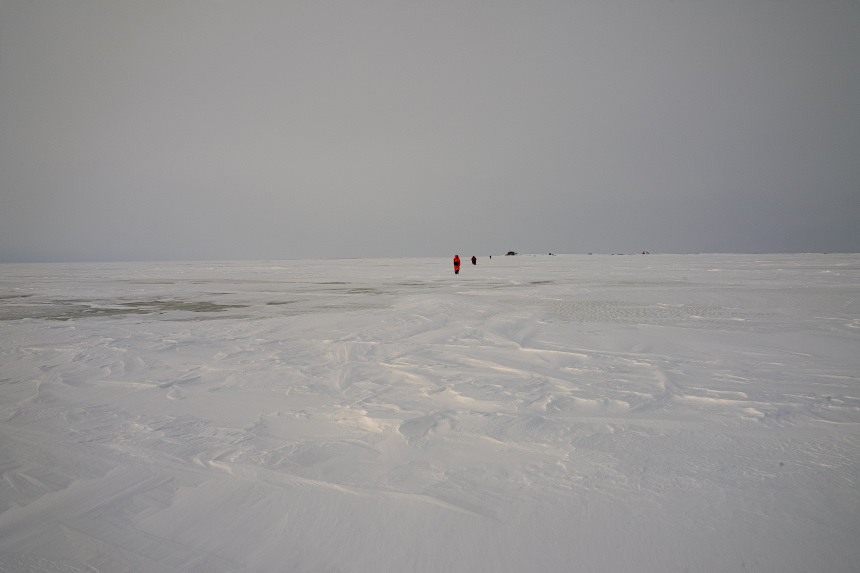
<point x="534" y="413"/>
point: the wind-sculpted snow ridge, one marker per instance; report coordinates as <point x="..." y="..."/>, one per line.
<point x="564" y="413"/>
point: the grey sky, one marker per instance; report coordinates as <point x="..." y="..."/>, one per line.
<point x="186" y="129"/>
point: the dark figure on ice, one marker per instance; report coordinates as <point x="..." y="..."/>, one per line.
<point x="474" y="260"/>
<point x="456" y="264"/>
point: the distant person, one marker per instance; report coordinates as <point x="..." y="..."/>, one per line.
<point x="456" y="264"/>
<point x="474" y="260"/>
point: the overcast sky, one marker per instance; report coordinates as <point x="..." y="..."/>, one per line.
<point x="190" y="129"/>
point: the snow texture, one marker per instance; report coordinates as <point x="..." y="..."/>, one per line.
<point x="534" y="413"/>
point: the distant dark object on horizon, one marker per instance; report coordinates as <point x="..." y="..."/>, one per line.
<point x="511" y="254"/>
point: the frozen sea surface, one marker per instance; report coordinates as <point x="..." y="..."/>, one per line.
<point x="533" y="413"/>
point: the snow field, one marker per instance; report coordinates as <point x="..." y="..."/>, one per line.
<point x="565" y="413"/>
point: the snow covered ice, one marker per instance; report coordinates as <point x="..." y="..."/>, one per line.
<point x="533" y="413"/>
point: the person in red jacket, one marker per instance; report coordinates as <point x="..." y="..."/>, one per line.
<point x="474" y="260"/>
<point x="456" y="264"/>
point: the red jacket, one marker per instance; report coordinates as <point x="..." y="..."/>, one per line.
<point x="456" y="261"/>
